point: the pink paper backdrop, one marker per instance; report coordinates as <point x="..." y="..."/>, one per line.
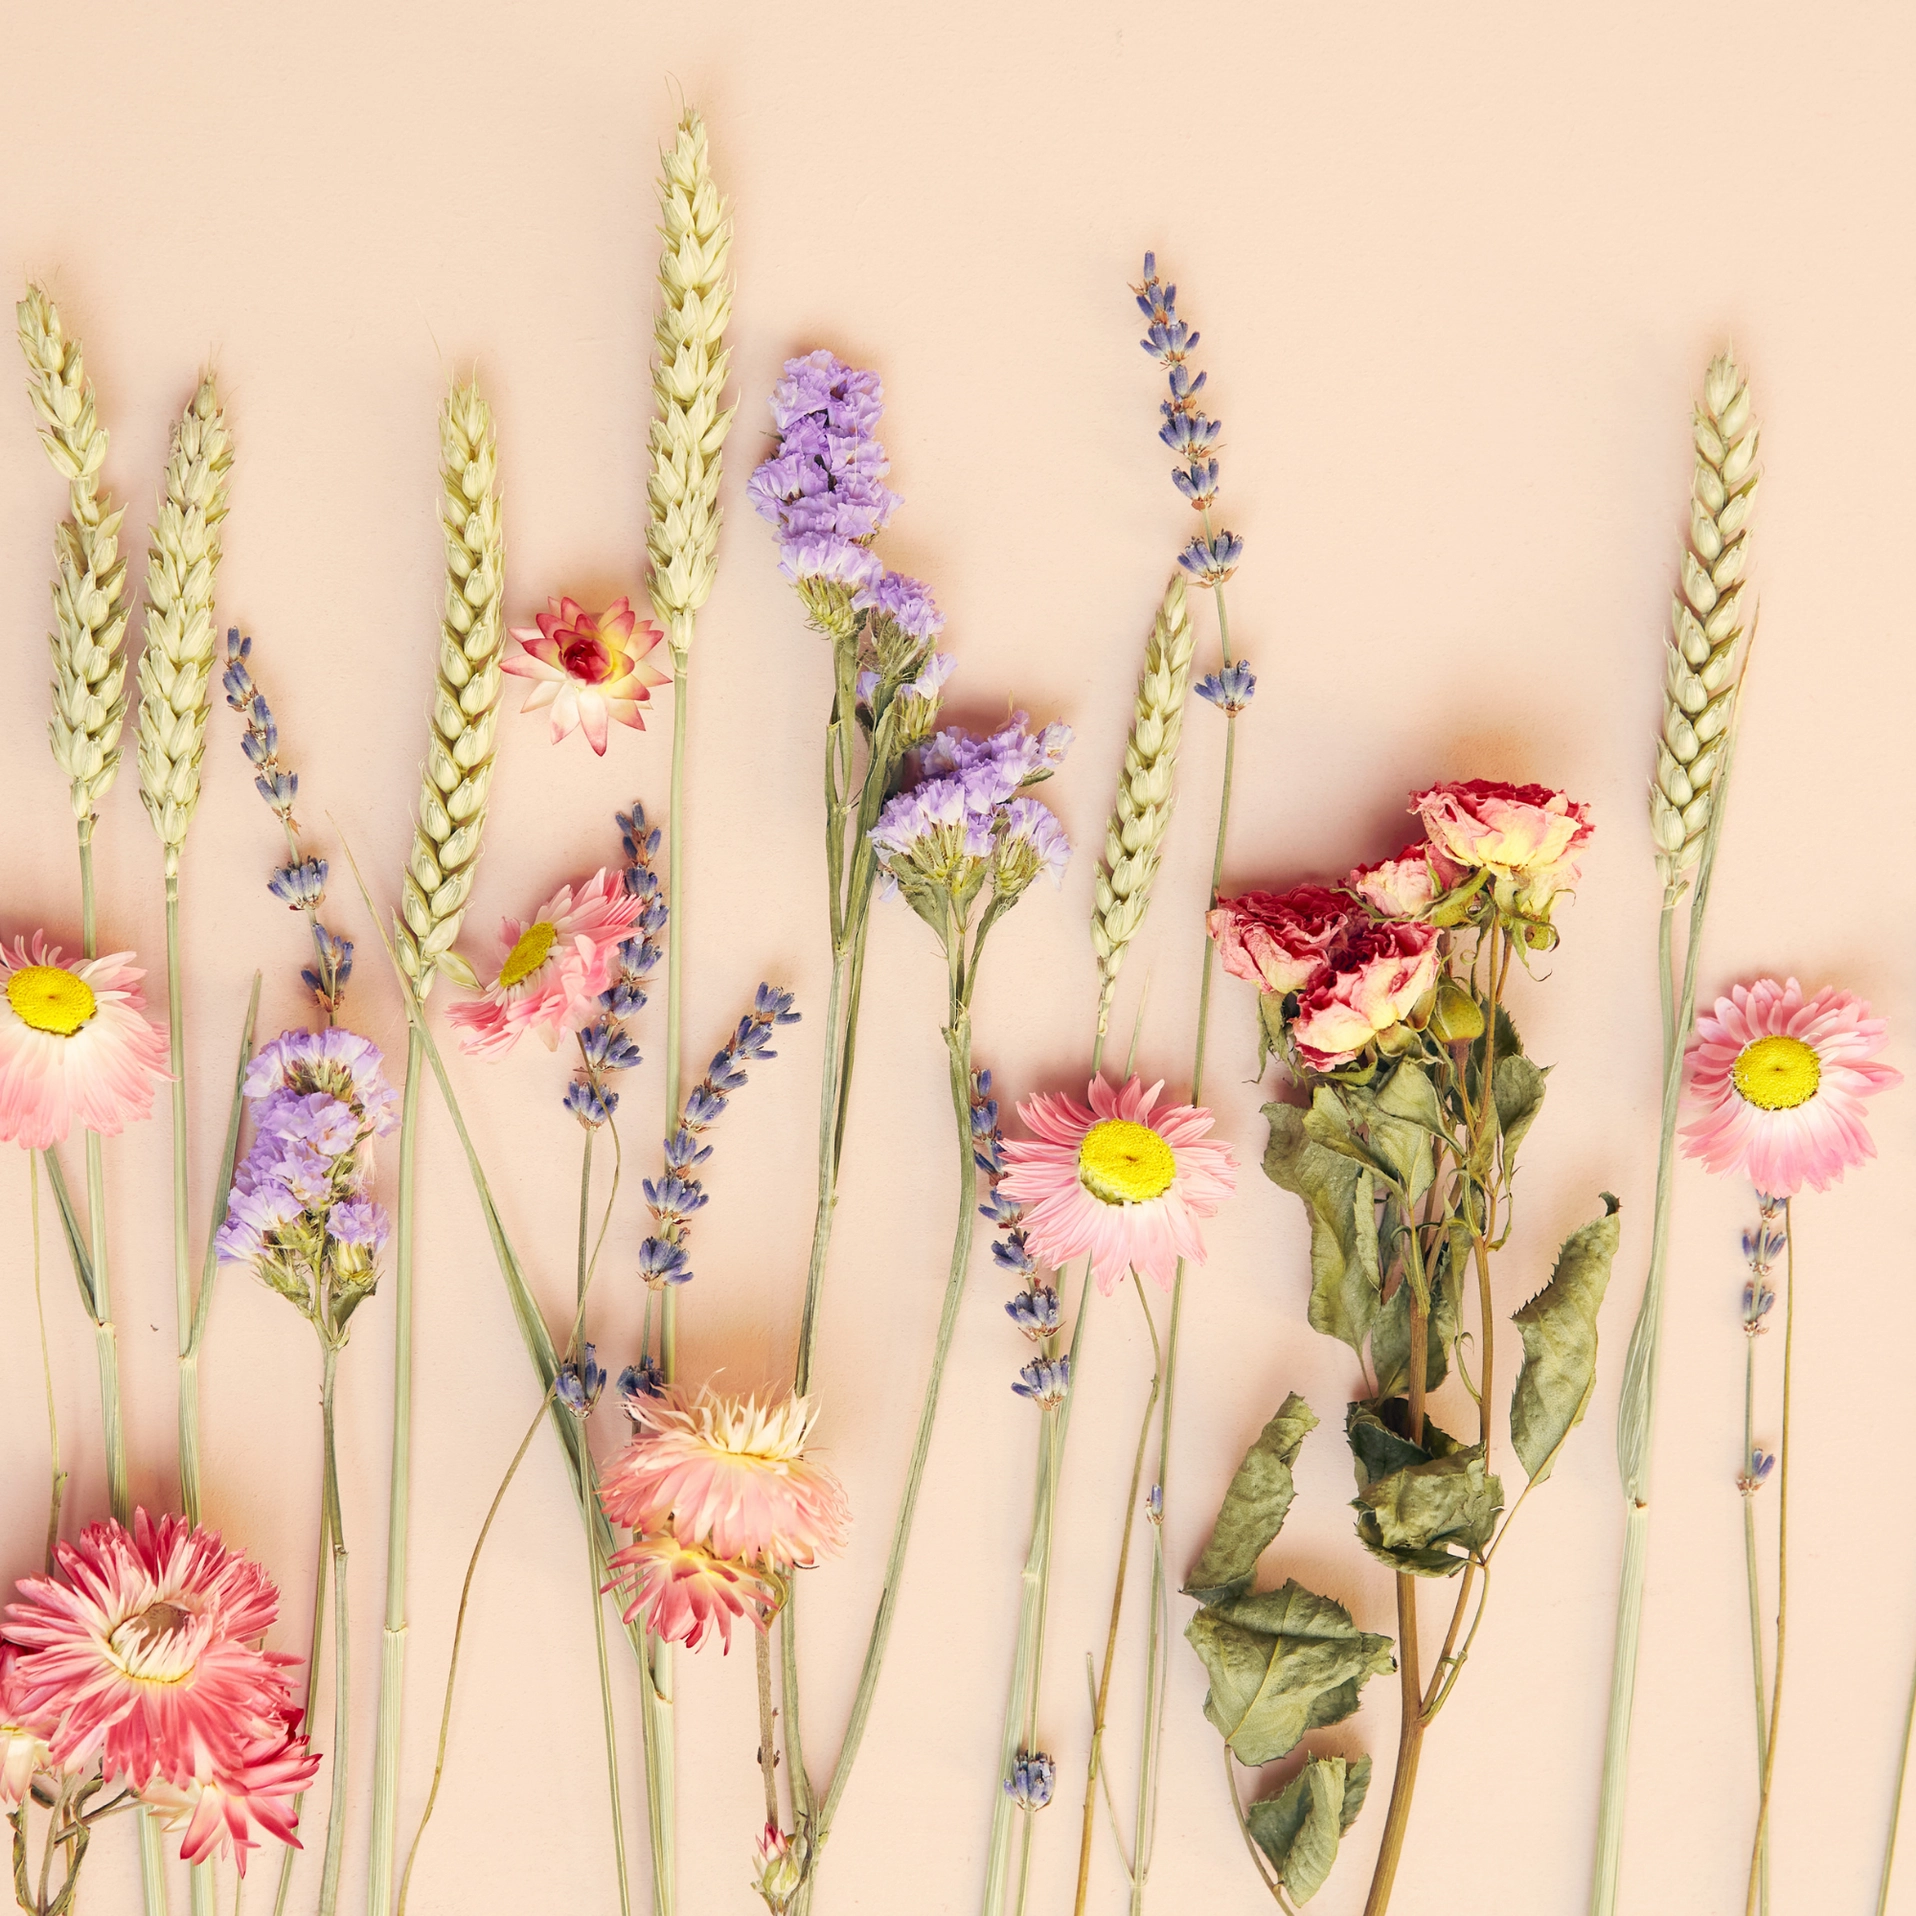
<point x="1458" y="272"/>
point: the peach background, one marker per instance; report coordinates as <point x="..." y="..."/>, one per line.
<point x="1458" y="270"/>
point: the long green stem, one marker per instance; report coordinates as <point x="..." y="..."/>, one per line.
<point x="58" y="1476"/>
<point x="1102" y="1699"/>
<point x="342" y="1655"/>
<point x="182" y="1250"/>
<point x="1749" y="1567"/>
<point x="1782" y="1561"/>
<point x="392" y="1657"/>
<point x="958" y="1043"/>
<point x="316" y="1644"/>
<point x="1896" y="1806"/>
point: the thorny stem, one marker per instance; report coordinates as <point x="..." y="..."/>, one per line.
<point x="1782" y="1560"/>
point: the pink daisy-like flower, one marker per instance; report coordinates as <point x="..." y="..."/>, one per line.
<point x="729" y="1473"/>
<point x="551" y="967"/>
<point x="684" y="1592"/>
<point x="141" y="1653"/>
<point x="1117" y="1180"/>
<point x="73" y="1046"/>
<point x="1781" y="1083"/>
<point x="588" y="670"/>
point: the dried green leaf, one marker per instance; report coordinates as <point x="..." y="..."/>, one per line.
<point x="1519" y="1087"/>
<point x="1338" y="1198"/>
<point x="1254" y="1506"/>
<point x="1299" y="1828"/>
<point x="1559" y="1330"/>
<point x="1282" y="1663"/>
<point x="1430" y="1519"/>
<point x="1403" y="1123"/>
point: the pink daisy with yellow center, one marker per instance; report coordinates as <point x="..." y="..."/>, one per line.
<point x="141" y="1653"/>
<point x="1117" y="1180"/>
<point x="552" y="966"/>
<point x="588" y="670"/>
<point x="73" y="1046"/>
<point x="684" y="1592"/>
<point x="1781" y="1082"/>
<point x="728" y="1473"/>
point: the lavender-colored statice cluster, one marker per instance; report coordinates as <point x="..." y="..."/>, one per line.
<point x="605" y="1046"/>
<point x="965" y="821"/>
<point x="299" y="1214"/>
<point x="301" y="882"/>
<point x="824" y="490"/>
<point x="1190" y="433"/>
<point x="678" y="1195"/>
<point x="1034" y="1308"/>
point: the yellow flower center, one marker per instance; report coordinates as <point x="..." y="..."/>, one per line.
<point x="1124" y="1163"/>
<point x="533" y="949"/>
<point x="1777" y="1073"/>
<point x="50" y="998"/>
<point x="150" y="1645"/>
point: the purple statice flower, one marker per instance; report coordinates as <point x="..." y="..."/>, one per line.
<point x="254" y="1212"/>
<point x="335" y="1060"/>
<point x="908" y="603"/>
<point x="829" y="558"/>
<point x="361" y="1223"/>
<point x="294" y="1164"/>
<point x="820" y="385"/>
<point x="315" y="1117"/>
<point x="937" y="830"/>
<point x="994" y="765"/>
<point x="1033" y="843"/>
<point x="826" y="480"/>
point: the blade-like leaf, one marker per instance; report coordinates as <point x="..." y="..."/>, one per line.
<point x="1431" y="1518"/>
<point x="1281" y="1663"/>
<point x="1254" y="1506"/>
<point x="1559" y="1330"/>
<point x="1338" y="1198"/>
<point x="1299" y="1828"/>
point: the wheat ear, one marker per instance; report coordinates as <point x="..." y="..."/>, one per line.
<point x="1706" y="619"/>
<point x="176" y="664"/>
<point x="89" y="582"/>
<point x="465" y="707"/>
<point x="1134" y="840"/>
<point x="688" y="377"/>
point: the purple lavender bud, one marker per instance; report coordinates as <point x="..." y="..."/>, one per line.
<point x="641" y="1380"/>
<point x="1032" y="1779"/>
<point x="1229" y="690"/>
<point x="1212" y="561"/>
<point x="1009" y="1253"/>
<point x="1035" y="1312"/>
<point x="1189" y="434"/>
<point x="579" y="1382"/>
<point x="301" y="886"/>
<point x="662" y="1263"/>
<point x="1045" y="1380"/>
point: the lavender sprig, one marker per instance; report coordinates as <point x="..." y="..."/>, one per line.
<point x="301" y="882"/>
<point x="605" y="1046"/>
<point x="1034" y="1309"/>
<point x="677" y="1196"/>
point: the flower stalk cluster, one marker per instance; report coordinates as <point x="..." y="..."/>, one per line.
<point x="605" y="1045"/>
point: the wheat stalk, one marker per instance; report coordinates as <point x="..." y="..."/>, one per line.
<point x="89" y="582"/>
<point x="458" y="769"/>
<point x="688" y="376"/>
<point x="176" y="664"/>
<point x="1706" y="618"/>
<point x="1134" y="839"/>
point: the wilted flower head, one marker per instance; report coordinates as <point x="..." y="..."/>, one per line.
<point x="776" y="1869"/>
<point x="1375" y="979"/>
<point x="73" y="1046"/>
<point x="1278" y="941"/>
<point x="1523" y="836"/>
<point x="684" y="1593"/>
<point x="587" y="670"/>
<point x="1400" y="887"/>
<point x="1032" y="1779"/>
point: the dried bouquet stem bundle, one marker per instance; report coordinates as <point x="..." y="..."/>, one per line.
<point x="1141" y="814"/>
<point x="438" y="884"/>
<point x="1702" y="681"/>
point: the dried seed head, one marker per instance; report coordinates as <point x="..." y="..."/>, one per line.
<point x="1134" y="839"/>
<point x="176" y="666"/>
<point x="688" y="378"/>
<point x="465" y="707"/>
<point x="1706" y="621"/>
<point x="88" y="641"/>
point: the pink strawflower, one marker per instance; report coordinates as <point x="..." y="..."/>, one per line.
<point x="1781" y="1083"/>
<point x="776" y="1869"/>
<point x="588" y="670"/>
<point x="73" y="1046"/>
<point x="730" y="1474"/>
<point x="24" y="1748"/>
<point x="1117" y="1180"/>
<point x="142" y="1653"/>
<point x="552" y="966"/>
<point x="684" y="1592"/>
